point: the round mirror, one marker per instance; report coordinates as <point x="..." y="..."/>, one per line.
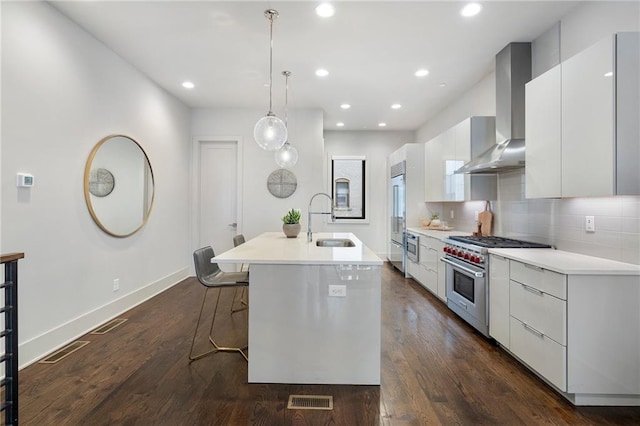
<point x="118" y="185"/>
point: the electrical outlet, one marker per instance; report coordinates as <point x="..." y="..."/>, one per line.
<point x="589" y="224"/>
<point x="337" y="290"/>
<point x="451" y="214"/>
<point x="116" y="284"/>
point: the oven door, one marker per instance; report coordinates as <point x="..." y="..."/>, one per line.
<point x="466" y="291"/>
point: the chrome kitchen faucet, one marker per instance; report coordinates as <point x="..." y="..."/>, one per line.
<point x="333" y="217"/>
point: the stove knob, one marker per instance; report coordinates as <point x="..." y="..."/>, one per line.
<point x="447" y="250"/>
<point x="475" y="259"/>
<point x="466" y="256"/>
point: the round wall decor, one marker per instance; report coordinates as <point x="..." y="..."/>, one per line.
<point x="282" y="183"/>
<point x="101" y="182"/>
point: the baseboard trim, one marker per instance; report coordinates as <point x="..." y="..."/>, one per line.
<point x="34" y="349"/>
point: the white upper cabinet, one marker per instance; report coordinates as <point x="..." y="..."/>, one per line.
<point x="588" y="144"/>
<point x="449" y="151"/>
<point x="582" y="131"/>
<point x="543" y="135"/>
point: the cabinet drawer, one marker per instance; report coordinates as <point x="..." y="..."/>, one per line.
<point x="539" y="278"/>
<point x="542" y="354"/>
<point x="428" y="258"/>
<point x="540" y="310"/>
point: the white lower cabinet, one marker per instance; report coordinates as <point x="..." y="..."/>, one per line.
<point x="429" y="270"/>
<point x="538" y="351"/>
<point x="499" y="299"/>
<point x="580" y="332"/>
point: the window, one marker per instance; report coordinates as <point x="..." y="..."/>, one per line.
<point x="348" y="188"/>
<point x="342" y="193"/>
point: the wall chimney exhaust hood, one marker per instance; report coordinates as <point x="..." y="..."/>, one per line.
<point x="513" y="71"/>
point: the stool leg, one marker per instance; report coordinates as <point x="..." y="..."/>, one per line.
<point x="193" y="341"/>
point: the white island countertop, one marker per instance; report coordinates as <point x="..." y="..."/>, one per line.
<point x="568" y="263"/>
<point x="276" y="249"/>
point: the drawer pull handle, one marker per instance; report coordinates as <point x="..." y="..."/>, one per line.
<point x="498" y="257"/>
<point x="533" y="330"/>
<point x="532" y="290"/>
<point x="535" y="268"/>
<point x="464" y="305"/>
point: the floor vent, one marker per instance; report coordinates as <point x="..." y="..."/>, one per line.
<point x="61" y="353"/>
<point x="107" y="327"/>
<point x="310" y="402"/>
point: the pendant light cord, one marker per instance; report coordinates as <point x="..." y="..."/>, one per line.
<point x="270" y="15"/>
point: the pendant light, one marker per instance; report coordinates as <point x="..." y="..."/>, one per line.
<point x="287" y="156"/>
<point x="270" y="132"/>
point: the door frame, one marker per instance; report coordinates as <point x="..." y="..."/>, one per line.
<point x="197" y="143"/>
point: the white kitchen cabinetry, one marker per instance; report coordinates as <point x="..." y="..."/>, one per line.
<point x="578" y="327"/>
<point x="429" y="270"/>
<point x="543" y="135"/>
<point x="582" y="130"/>
<point x="449" y="151"/>
<point x="499" y="299"/>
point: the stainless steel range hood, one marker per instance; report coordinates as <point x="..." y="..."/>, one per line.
<point x="513" y="71"/>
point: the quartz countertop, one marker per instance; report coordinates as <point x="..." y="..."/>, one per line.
<point x="441" y="235"/>
<point x="275" y="248"/>
<point x="568" y="263"/>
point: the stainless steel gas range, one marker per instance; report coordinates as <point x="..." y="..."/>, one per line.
<point x="467" y="275"/>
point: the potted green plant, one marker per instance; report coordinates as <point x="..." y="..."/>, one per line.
<point x="291" y="223"/>
<point x="435" y="220"/>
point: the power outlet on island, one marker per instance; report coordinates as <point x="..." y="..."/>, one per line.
<point x="337" y="290"/>
<point x="116" y="284"/>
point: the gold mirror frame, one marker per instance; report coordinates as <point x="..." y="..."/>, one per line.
<point x="98" y="202"/>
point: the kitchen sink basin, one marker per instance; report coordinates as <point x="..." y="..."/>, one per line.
<point x="335" y="242"/>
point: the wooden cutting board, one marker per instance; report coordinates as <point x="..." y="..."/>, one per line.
<point x="485" y="218"/>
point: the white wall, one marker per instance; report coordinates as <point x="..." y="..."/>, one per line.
<point x="376" y="146"/>
<point x="479" y="100"/>
<point x="557" y="222"/>
<point x="262" y="211"/>
<point x="63" y="91"/>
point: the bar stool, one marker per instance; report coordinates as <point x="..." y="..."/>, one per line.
<point x="237" y="240"/>
<point x="211" y="277"/>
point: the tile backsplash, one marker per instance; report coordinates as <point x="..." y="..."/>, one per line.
<point x="559" y="222"/>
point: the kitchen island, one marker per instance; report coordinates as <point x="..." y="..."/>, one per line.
<point x="314" y="312"/>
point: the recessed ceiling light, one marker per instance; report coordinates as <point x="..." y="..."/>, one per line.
<point x="188" y="85"/>
<point x="609" y="74"/>
<point x="322" y="72"/>
<point x="422" y="73"/>
<point x="471" y="9"/>
<point x="396" y="106"/>
<point x="325" y="10"/>
<point x="345" y="106"/>
<point x="382" y="124"/>
<point x="340" y="124"/>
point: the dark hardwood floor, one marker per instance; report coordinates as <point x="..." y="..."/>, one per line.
<point x="435" y="370"/>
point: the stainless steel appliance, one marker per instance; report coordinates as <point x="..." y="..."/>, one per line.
<point x="411" y="247"/>
<point x="398" y="212"/>
<point x="513" y="71"/>
<point x="467" y="275"/>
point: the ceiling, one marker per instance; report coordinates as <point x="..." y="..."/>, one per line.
<point x="370" y="48"/>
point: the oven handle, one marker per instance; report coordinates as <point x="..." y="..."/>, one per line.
<point x="457" y="265"/>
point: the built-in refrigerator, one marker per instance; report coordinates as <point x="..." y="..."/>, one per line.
<point x="397" y="198"/>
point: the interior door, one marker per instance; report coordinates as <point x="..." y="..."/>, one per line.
<point x="218" y="192"/>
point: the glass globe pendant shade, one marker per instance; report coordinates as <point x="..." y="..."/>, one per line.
<point x="287" y="156"/>
<point x="270" y="132"/>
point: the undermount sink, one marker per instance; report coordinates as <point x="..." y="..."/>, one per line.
<point x="335" y="242"/>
